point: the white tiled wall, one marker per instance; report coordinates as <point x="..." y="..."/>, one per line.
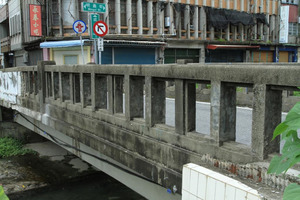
<point x="199" y="183"/>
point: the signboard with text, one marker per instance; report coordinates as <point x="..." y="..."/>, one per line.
<point x="284" y="24"/>
<point x="94" y="19"/>
<point x="93" y="7"/>
<point x="35" y="20"/>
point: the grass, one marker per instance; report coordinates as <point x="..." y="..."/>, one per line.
<point x="11" y="147"/>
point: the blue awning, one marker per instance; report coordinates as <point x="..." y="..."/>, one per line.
<point x="57" y="44"/>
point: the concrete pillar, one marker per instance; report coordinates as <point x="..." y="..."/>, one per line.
<point x="99" y="95"/>
<point x="227" y="33"/>
<point x="248" y="56"/>
<point x="212" y="33"/>
<point x="106" y="14"/>
<point x="266" y="29"/>
<point x="254" y="30"/>
<point x="202" y="54"/>
<point x="155" y="101"/>
<point x="139" y="17"/>
<point x="65" y="85"/>
<point x="170" y="15"/>
<point x="196" y="22"/>
<point x="81" y="91"/>
<point x="60" y="86"/>
<point x="118" y="16"/>
<point x="160" y="18"/>
<point x="42" y="82"/>
<point x="180" y="106"/>
<point x="187" y="24"/>
<point x="110" y="92"/>
<point x="128" y="17"/>
<point x="241" y="32"/>
<point x="178" y="20"/>
<point x="266" y="116"/>
<point x="134" y="97"/>
<point x="72" y="99"/>
<point x="234" y="33"/>
<point x="223" y="112"/>
<point x="150" y="17"/>
<point x="190" y="107"/>
<point x="203" y="23"/>
<point x="60" y="18"/>
<point x="118" y="94"/>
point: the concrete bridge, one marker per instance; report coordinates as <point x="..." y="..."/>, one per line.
<point x="81" y="108"/>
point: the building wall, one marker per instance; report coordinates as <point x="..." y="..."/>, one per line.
<point x="59" y="54"/>
<point x="15" y="24"/>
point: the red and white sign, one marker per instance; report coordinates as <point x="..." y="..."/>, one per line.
<point x="100" y="28"/>
<point x="35" y="20"/>
<point x="79" y="26"/>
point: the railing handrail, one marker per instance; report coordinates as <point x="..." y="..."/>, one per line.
<point x="275" y="74"/>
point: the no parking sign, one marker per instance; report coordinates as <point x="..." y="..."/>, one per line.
<point x="100" y="28"/>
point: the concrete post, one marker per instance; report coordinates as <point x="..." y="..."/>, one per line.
<point x="266" y="116"/>
<point x="227" y="33"/>
<point x="150" y="17"/>
<point x="42" y="82"/>
<point x="118" y="16"/>
<point x="134" y="97"/>
<point x="72" y="93"/>
<point x="129" y="17"/>
<point x="203" y="23"/>
<point x="187" y="23"/>
<point x="155" y="101"/>
<point x="60" y="87"/>
<point x="178" y="20"/>
<point x="180" y="106"/>
<point x="196" y="22"/>
<point x="81" y="91"/>
<point x="101" y="92"/>
<point x="190" y="107"/>
<point x="110" y="89"/>
<point x="241" y="32"/>
<point x="223" y="112"/>
<point x="160" y="17"/>
<point x="53" y="85"/>
<point x="93" y="91"/>
<point x="140" y="17"/>
<point x="202" y="54"/>
<point x="118" y="94"/>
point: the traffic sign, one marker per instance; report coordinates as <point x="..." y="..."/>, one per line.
<point x="93" y="7"/>
<point x="100" y="44"/>
<point x="94" y="18"/>
<point x="79" y="26"/>
<point x="100" y="28"/>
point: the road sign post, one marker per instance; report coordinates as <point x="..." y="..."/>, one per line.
<point x="79" y="27"/>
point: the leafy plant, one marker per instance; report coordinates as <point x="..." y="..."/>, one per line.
<point x="2" y="194"/>
<point x="290" y="152"/>
<point x="12" y="147"/>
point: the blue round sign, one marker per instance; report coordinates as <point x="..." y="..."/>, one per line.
<point x="79" y="26"/>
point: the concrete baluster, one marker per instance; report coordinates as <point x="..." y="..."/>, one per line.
<point x="118" y="94"/>
<point x="42" y="82"/>
<point x="223" y="112"/>
<point x="155" y="101"/>
<point x="134" y="97"/>
<point x="60" y="87"/>
<point x="110" y="88"/>
<point x="190" y="107"/>
<point x="180" y="106"/>
<point x="266" y="116"/>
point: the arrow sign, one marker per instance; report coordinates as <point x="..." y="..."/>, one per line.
<point x="93" y="7"/>
<point x="94" y="19"/>
<point x="100" y="28"/>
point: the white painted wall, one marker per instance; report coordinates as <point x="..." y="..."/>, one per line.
<point x="199" y="183"/>
<point x="10" y="86"/>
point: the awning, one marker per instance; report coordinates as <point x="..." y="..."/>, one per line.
<point x="57" y="44"/>
<point x="220" y="46"/>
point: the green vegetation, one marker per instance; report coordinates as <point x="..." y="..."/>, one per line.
<point x="2" y="194"/>
<point x="290" y="152"/>
<point x="12" y="147"/>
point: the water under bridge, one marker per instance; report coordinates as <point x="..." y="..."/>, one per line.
<point x="114" y="117"/>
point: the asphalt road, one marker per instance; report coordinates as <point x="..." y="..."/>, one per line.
<point x="243" y="122"/>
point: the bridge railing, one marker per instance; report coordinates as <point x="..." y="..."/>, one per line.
<point x="100" y="88"/>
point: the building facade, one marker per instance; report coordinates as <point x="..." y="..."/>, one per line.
<point x="154" y="31"/>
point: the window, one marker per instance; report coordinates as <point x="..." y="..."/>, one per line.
<point x="70" y="59"/>
<point x="293" y="29"/>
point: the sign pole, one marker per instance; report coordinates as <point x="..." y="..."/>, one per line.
<point x="99" y="51"/>
<point x="82" y="54"/>
<point x="96" y="52"/>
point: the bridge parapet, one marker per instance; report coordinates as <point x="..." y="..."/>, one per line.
<point x="91" y="97"/>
